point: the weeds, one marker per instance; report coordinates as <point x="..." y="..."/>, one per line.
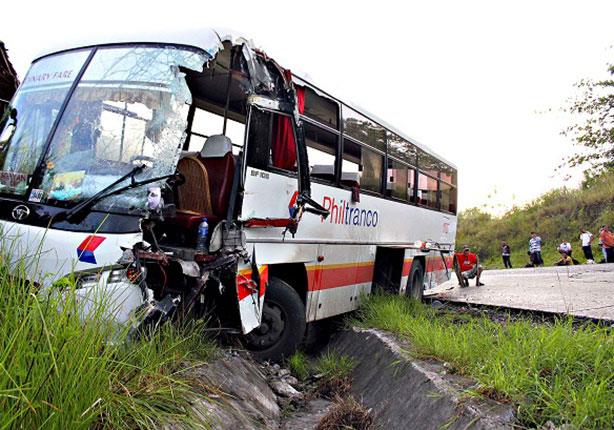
<point x="58" y="369"/>
<point x="554" y="372"/>
<point x="299" y="366"/>
<point x="335" y="371"/>
<point x="346" y="413"/>
<point x="332" y="372"/>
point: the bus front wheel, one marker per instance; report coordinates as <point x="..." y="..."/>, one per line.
<point x="415" y="281"/>
<point x="283" y="323"/>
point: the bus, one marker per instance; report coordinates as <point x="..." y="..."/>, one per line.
<point x="182" y="175"/>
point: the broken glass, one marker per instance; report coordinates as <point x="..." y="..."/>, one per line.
<point x="34" y="108"/>
<point x="130" y="108"/>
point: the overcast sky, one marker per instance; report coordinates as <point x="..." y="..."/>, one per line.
<point x="469" y="79"/>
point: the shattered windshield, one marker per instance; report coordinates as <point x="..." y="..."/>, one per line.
<point x="33" y="112"/>
<point x="130" y="108"/>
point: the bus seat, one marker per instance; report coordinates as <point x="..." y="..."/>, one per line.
<point x="194" y="195"/>
<point x="217" y="158"/>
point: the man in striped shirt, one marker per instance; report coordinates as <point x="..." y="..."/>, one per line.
<point x="535" y="249"/>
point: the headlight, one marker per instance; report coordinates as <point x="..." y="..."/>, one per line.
<point x="117" y="275"/>
<point x="88" y="280"/>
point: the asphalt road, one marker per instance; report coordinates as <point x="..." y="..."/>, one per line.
<point x="583" y="290"/>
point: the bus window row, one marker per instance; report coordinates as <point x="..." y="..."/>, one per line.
<point x="411" y="175"/>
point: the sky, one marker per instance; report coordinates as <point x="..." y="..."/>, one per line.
<point x="481" y="83"/>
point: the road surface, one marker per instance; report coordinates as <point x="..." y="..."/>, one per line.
<point x="583" y="290"/>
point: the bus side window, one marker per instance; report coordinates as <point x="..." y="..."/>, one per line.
<point x="207" y="124"/>
<point x="271" y="141"/>
<point x="397" y="180"/>
<point x="411" y="185"/>
<point x="369" y="165"/>
<point x="427" y="190"/>
<point x="321" y="151"/>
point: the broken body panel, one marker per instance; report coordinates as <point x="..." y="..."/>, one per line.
<point x="89" y="153"/>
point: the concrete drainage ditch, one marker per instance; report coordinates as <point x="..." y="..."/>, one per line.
<point x="405" y="393"/>
<point x="402" y="392"/>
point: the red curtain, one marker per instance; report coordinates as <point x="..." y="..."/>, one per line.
<point x="283" y="147"/>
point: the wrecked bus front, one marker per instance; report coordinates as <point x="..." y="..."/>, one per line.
<point x="123" y="165"/>
<point x="81" y="121"/>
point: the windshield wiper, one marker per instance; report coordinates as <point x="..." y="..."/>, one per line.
<point x="70" y="214"/>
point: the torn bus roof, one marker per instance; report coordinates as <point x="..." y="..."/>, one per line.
<point x="209" y="39"/>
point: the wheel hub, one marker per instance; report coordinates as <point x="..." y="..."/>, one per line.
<point x="270" y="330"/>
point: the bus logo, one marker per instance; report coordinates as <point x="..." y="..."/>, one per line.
<point x="85" y="251"/>
<point x="341" y="212"/>
<point x="20" y="212"/>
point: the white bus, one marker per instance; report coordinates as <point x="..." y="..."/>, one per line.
<point x="112" y="154"/>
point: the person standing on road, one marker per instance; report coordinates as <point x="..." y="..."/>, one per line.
<point x="601" y="247"/>
<point x="470" y="267"/>
<point x="586" y="238"/>
<point x="535" y="249"/>
<point x="505" y="254"/>
<point x="607" y="240"/>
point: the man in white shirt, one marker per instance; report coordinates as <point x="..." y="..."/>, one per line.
<point x="586" y="238"/>
<point x="565" y="247"/>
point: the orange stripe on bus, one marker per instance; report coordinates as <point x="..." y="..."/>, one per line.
<point x="339" y="275"/>
<point x="407" y="266"/>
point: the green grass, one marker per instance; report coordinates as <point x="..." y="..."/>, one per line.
<point x="334" y="365"/>
<point x="554" y="371"/>
<point x="59" y="371"/>
<point x="299" y="365"/>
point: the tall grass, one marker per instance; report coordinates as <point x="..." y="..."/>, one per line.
<point x="554" y="372"/>
<point x="59" y="370"/>
<point x="556" y="215"/>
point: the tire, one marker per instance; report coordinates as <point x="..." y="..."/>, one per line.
<point x="283" y="323"/>
<point x="415" y="281"/>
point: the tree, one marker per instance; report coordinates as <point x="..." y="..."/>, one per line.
<point x="594" y="131"/>
<point x="8" y="78"/>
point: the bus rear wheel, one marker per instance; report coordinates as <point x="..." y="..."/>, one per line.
<point x="415" y="282"/>
<point x="283" y="323"/>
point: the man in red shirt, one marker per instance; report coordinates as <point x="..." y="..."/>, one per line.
<point x="469" y="265"/>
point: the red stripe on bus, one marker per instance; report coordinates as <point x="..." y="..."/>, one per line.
<point x="342" y="275"/>
<point x="436" y="264"/>
<point x="335" y="276"/>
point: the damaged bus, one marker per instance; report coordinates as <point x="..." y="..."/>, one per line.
<point x="179" y="176"/>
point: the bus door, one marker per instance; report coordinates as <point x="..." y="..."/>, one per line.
<point x="276" y="176"/>
<point x="271" y="183"/>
